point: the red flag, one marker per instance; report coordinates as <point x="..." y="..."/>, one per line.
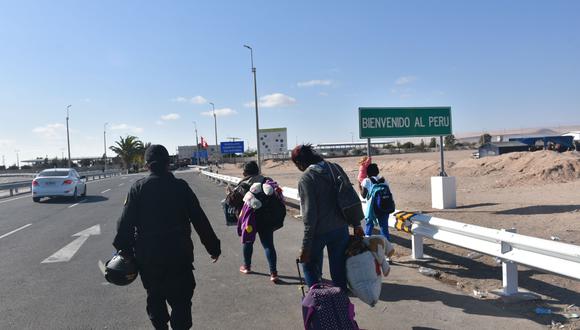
<point x="203" y="143"/>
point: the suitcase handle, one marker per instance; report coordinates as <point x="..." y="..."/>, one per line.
<point x="300" y="276"/>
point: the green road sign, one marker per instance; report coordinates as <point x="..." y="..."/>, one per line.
<point x="404" y="122"/>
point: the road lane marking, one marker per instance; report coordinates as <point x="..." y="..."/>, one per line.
<point x="66" y="253"/>
<point x="104" y="191"/>
<point x="102" y="267"/>
<point x="121" y="184"/>
<point x="15" y="230"/>
<point x="74" y="205"/>
<point x="13" y="199"/>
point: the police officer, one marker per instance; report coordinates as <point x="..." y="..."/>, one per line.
<point x="155" y="227"/>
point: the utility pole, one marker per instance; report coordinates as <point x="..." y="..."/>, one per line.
<point x="256" y="105"/>
<point x="67" y="135"/>
<point x="105" y="144"/>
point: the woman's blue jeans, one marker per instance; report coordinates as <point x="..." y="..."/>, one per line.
<point x="267" y="240"/>
<point x="335" y="242"/>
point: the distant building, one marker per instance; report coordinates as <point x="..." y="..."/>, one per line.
<point x="186" y="152"/>
<point x="574" y="134"/>
<point x="559" y="142"/>
<point x="205" y="154"/>
<point x="500" y="148"/>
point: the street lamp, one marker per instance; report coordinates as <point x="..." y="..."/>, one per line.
<point x="105" y="143"/>
<point x="17" y="158"/>
<point x="256" y="105"/>
<point x="196" y="144"/>
<point x="215" y="127"/>
<point x="67" y="135"/>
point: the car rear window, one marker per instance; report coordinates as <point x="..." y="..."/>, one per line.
<point x="53" y="173"/>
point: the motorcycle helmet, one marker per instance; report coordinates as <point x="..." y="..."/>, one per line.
<point x="121" y="270"/>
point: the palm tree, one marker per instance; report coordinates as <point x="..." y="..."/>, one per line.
<point x="141" y="155"/>
<point x="128" y="148"/>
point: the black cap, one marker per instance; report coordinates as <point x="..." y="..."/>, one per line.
<point x="156" y="153"/>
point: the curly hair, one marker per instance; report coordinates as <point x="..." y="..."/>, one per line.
<point x="303" y="155"/>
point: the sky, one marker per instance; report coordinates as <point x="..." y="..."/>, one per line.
<point x="149" y="68"/>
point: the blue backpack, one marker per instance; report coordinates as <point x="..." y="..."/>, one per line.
<point x="383" y="201"/>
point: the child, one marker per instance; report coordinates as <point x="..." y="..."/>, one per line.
<point x="367" y="184"/>
<point x="362" y="170"/>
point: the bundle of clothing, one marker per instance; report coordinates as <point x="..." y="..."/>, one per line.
<point x="365" y="263"/>
<point x="260" y="196"/>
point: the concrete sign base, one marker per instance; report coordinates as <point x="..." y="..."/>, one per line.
<point x="443" y="192"/>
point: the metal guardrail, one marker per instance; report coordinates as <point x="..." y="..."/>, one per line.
<point x="17" y="174"/>
<point x="13" y="187"/>
<point x="506" y="245"/>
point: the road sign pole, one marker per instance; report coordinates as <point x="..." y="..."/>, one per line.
<point x="442" y="173"/>
<point x="368" y="147"/>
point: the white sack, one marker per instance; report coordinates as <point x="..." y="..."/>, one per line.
<point x="379" y="247"/>
<point x="362" y="277"/>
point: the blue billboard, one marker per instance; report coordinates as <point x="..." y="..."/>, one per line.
<point x="201" y="154"/>
<point x="232" y="147"/>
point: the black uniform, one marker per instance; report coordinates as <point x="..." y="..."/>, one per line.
<point x="155" y="224"/>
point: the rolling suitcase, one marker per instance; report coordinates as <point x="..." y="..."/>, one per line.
<point x="326" y="307"/>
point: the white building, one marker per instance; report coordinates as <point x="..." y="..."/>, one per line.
<point x="188" y="152"/>
<point x="185" y="152"/>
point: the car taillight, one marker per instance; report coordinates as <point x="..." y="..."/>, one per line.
<point x="34" y="183"/>
<point x="67" y="182"/>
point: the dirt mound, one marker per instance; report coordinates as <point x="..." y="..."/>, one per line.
<point x="524" y="167"/>
<point x="509" y="169"/>
<point x="272" y="163"/>
<point x="409" y="167"/>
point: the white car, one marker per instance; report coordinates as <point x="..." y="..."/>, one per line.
<point x="56" y="182"/>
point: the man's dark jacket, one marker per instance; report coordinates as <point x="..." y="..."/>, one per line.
<point x="156" y="222"/>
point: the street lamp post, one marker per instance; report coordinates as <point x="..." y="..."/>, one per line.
<point x="256" y="105"/>
<point x="67" y="135"/>
<point x="215" y="128"/>
<point x="196" y="144"/>
<point x="105" y="143"/>
<point x="17" y="159"/>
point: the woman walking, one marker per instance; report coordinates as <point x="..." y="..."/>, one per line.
<point x="324" y="224"/>
<point x="251" y="223"/>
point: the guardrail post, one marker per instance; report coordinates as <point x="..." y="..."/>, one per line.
<point x="417" y="246"/>
<point x="509" y="270"/>
<point x="11" y="192"/>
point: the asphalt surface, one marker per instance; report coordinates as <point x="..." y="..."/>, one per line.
<point x="74" y="295"/>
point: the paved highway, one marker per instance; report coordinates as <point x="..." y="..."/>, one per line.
<point x="50" y="276"/>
